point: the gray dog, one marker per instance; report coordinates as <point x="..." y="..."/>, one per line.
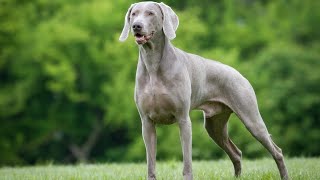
<point x="170" y="83"/>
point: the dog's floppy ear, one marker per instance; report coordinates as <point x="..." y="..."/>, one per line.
<point x="170" y="21"/>
<point x="126" y="27"/>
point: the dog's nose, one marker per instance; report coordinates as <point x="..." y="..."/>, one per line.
<point x="137" y="26"/>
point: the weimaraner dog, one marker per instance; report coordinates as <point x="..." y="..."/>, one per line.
<point x="170" y="83"/>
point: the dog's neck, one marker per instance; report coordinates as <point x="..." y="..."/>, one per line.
<point x="151" y="53"/>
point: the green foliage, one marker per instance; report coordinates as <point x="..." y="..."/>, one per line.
<point x="289" y="90"/>
<point x="67" y="83"/>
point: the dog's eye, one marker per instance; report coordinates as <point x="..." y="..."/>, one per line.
<point x="150" y="13"/>
<point x="133" y="14"/>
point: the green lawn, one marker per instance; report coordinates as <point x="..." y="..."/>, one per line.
<point x="299" y="168"/>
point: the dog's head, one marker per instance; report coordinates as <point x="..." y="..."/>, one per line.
<point x="145" y="19"/>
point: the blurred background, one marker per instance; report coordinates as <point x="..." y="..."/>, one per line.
<point x="67" y="83"/>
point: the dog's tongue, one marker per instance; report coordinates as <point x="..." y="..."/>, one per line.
<point x="141" y="39"/>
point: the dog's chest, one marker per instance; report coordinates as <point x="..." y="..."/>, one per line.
<point x="156" y="99"/>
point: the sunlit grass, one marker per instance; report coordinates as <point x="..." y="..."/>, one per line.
<point x="299" y="168"/>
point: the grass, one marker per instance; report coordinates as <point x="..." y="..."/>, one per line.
<point x="299" y="168"/>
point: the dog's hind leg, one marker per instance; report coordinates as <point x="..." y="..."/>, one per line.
<point x="242" y="100"/>
<point x="217" y="128"/>
<point x="256" y="126"/>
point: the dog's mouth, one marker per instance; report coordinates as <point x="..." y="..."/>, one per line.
<point x="142" y="38"/>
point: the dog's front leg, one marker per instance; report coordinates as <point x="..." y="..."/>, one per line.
<point x="150" y="141"/>
<point x="186" y="143"/>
